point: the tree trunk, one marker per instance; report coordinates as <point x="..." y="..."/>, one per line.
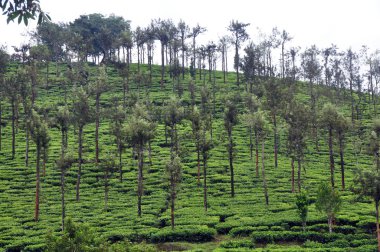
<point x="377" y="225"/>
<point x="330" y="223"/>
<point x="120" y="163"/>
<point x="63" y="213"/>
<point x="162" y="65"/>
<point x="13" y="130"/>
<point x="250" y="143"/>
<point x="332" y="168"/>
<point x="299" y="174"/>
<point x="257" y="153"/>
<point x="237" y="62"/>
<point x="341" y="160"/>
<point x="106" y="188"/>
<point x="292" y="164"/>
<point x="140" y="178"/>
<point x="80" y="161"/>
<point x="172" y="196"/>
<point x="230" y="157"/>
<point x="263" y="173"/>
<point x="198" y="162"/>
<point x="26" y="145"/>
<point x="37" y="200"/>
<point x="205" y="181"/>
<point x="275" y="140"/>
<point x="97" y="101"/>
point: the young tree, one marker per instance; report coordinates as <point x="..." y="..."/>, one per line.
<point x="62" y="122"/>
<point x="173" y="116"/>
<point x="40" y="134"/>
<point x="205" y="146"/>
<point x="341" y="127"/>
<point x="116" y="128"/>
<point x="230" y="120"/>
<point x="65" y="161"/>
<point x="196" y="31"/>
<point x="261" y="129"/>
<point x="12" y="91"/>
<point x="139" y="131"/>
<point x="367" y="183"/>
<point x="196" y="127"/>
<point x="328" y="202"/>
<point x="302" y="203"/>
<point x="82" y="115"/>
<point x="239" y="35"/>
<point x="98" y="87"/>
<point x="328" y="118"/>
<point x="174" y="174"/>
<point x="298" y="120"/>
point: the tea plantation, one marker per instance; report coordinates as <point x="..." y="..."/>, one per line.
<point x="240" y="223"/>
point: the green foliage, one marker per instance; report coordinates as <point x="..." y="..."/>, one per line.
<point x="184" y="233"/>
<point x="302" y="203"/>
<point x="76" y="237"/>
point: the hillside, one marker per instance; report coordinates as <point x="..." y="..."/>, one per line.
<point x="243" y="222"/>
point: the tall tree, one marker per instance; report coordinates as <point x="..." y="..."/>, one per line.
<point x="230" y="120"/>
<point x="341" y="127"/>
<point x="184" y="31"/>
<point x="239" y="35"/>
<point x="139" y="131"/>
<point x="195" y="32"/>
<point x="64" y="162"/>
<point x="174" y="174"/>
<point x="40" y="134"/>
<point x="173" y="116"/>
<point x="328" y="117"/>
<point x="82" y="115"/>
<point x="100" y="86"/>
<point x="352" y="68"/>
<point x="62" y="122"/>
<point x="285" y="37"/>
<point x="116" y="128"/>
<point x="298" y="120"/>
<point x="205" y="147"/>
<point x="262" y="129"/>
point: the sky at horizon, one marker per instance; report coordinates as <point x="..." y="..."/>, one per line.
<point x="345" y="23"/>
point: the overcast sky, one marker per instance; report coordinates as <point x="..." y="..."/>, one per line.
<point x="346" y="23"/>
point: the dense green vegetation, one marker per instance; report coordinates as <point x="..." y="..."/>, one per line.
<point x="119" y="156"/>
<point x="244" y="221"/>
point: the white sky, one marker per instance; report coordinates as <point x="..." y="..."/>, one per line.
<point x="346" y="23"/>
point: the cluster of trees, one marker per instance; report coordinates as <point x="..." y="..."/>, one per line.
<point x="266" y="101"/>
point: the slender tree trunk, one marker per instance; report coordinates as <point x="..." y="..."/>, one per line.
<point x="230" y="157"/>
<point x="292" y="164"/>
<point x="172" y="196"/>
<point x="97" y="101"/>
<point x="332" y="167"/>
<point x="26" y="145"/>
<point x="299" y="174"/>
<point x="80" y="161"/>
<point x="13" y="130"/>
<point x="250" y="143"/>
<point x="263" y="173"/>
<point x="205" y="181"/>
<point x="257" y="153"/>
<point x="275" y="140"/>
<point x="37" y="200"/>
<point x="341" y="160"/>
<point x="120" y="163"/>
<point x="330" y="223"/>
<point x="198" y="162"/>
<point x="377" y="225"/>
<point x="162" y="65"/>
<point x="237" y="63"/>
<point x="106" y="188"/>
<point x="140" y="178"/>
<point x="63" y="212"/>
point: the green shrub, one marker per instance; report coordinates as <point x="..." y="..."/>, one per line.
<point x="340" y="243"/>
<point x="184" y="233"/>
<point x="242" y="231"/>
<point x="238" y="244"/>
